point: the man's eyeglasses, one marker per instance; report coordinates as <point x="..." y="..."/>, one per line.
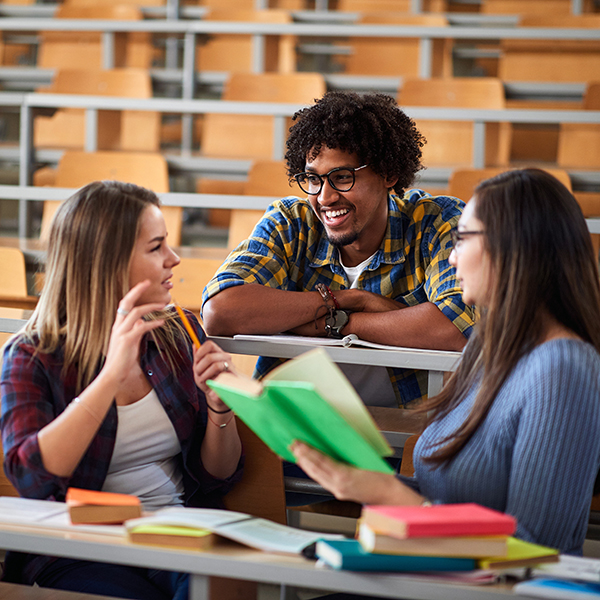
<point x="460" y="236"/>
<point x="341" y="179"/>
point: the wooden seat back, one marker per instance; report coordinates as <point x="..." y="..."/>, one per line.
<point x="396" y="57"/>
<point x="261" y="491"/>
<point x="579" y="148"/>
<point x="13" y="275"/>
<point x="530" y="7"/>
<point x="579" y="145"/>
<point x="6" y="487"/>
<point x="233" y="53"/>
<point x="464" y="181"/>
<point x="450" y="143"/>
<point x="265" y="178"/>
<point x="76" y="169"/>
<point x="71" y="49"/>
<point x="189" y="279"/>
<point x="552" y="60"/>
<point x="249" y="136"/>
<point x="117" y="130"/>
<point x="404" y="6"/>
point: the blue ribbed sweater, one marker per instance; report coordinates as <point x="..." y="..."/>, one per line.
<point x="536" y="454"/>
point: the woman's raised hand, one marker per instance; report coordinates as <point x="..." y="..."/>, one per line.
<point x="127" y="332"/>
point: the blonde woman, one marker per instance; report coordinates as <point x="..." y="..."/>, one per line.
<point x="104" y="390"/>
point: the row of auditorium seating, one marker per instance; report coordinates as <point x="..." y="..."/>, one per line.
<point x="523" y="60"/>
<point x="140" y="131"/>
<point x="135" y="130"/>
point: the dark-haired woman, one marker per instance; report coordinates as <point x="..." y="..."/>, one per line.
<point x="104" y="390"/>
<point x="517" y="427"/>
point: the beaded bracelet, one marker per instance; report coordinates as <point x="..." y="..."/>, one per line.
<point x="327" y="294"/>
<point x="221" y="425"/>
<point x="219" y="412"/>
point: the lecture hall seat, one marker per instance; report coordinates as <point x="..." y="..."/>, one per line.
<point x="127" y="130"/>
<point x="395" y="57"/>
<point x="250" y="136"/>
<point x="76" y="169"/>
<point x="232" y="53"/>
<point x="404" y="6"/>
<point x="463" y="181"/>
<point x="574" y="61"/>
<point x="82" y="50"/>
<point x="450" y="143"/>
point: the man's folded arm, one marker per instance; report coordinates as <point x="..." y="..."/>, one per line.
<point x="254" y="308"/>
<point x="420" y="326"/>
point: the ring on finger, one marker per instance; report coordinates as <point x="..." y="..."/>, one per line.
<point x="122" y="311"/>
<point x="225" y="366"/>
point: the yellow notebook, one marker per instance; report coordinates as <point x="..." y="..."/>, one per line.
<point x="520" y="554"/>
<point x="175" y="537"/>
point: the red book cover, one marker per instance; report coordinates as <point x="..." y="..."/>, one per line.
<point x="440" y="520"/>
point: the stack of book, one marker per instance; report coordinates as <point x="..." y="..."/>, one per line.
<point x="449" y="537"/>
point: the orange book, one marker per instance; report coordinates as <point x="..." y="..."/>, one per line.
<point x="90" y="506"/>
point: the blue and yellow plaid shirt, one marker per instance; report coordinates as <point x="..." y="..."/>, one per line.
<point x="289" y="250"/>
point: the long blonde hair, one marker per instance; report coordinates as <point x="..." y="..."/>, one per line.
<point x="91" y="242"/>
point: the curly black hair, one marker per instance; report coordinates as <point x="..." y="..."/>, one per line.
<point x="372" y="126"/>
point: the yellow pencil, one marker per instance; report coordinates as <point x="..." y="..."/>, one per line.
<point x="188" y="326"/>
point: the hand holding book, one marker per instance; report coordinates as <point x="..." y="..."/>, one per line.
<point x="307" y="399"/>
<point x="349" y="483"/>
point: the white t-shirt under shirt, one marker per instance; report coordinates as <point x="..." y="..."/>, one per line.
<point x="145" y="459"/>
<point x="372" y="384"/>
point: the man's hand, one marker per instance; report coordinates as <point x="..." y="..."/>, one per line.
<point x="363" y="301"/>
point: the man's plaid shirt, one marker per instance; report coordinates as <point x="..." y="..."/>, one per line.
<point x="289" y="250"/>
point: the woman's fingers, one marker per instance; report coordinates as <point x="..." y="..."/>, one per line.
<point x="316" y="465"/>
<point x="210" y="361"/>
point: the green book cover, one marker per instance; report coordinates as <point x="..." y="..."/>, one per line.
<point x="280" y="412"/>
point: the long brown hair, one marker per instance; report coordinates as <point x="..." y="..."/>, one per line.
<point x="542" y="263"/>
<point x="91" y="242"/>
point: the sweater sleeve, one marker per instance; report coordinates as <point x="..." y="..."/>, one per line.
<point x="557" y="450"/>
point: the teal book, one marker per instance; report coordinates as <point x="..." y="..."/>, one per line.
<point x="349" y="555"/>
<point x="307" y="399"/>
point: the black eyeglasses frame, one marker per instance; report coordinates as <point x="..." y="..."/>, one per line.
<point x="328" y="177"/>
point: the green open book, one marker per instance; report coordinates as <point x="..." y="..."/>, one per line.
<point x="309" y="399"/>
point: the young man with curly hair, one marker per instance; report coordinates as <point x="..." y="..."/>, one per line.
<point x="360" y="254"/>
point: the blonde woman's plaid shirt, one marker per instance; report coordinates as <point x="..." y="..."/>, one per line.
<point x="289" y="250"/>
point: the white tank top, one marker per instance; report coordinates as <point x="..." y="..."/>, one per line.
<point x="145" y="460"/>
<point x="371" y="383"/>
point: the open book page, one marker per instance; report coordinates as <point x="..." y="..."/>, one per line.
<point x="317" y="368"/>
<point x="347" y="341"/>
<point x="252" y="531"/>
<point x="28" y="511"/>
<point x="47" y="514"/>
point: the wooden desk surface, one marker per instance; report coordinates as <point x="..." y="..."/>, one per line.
<point x="233" y="561"/>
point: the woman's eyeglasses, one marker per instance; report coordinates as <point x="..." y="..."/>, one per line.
<point x="460" y="236"/>
<point x="341" y="179"/>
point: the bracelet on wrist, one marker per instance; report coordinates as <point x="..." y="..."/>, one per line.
<point x="220" y="425"/>
<point x="219" y="412"/>
<point x="327" y="294"/>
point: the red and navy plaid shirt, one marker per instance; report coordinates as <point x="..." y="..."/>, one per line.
<point x="34" y="392"/>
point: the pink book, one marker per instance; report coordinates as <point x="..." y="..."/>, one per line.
<point x="440" y="520"/>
